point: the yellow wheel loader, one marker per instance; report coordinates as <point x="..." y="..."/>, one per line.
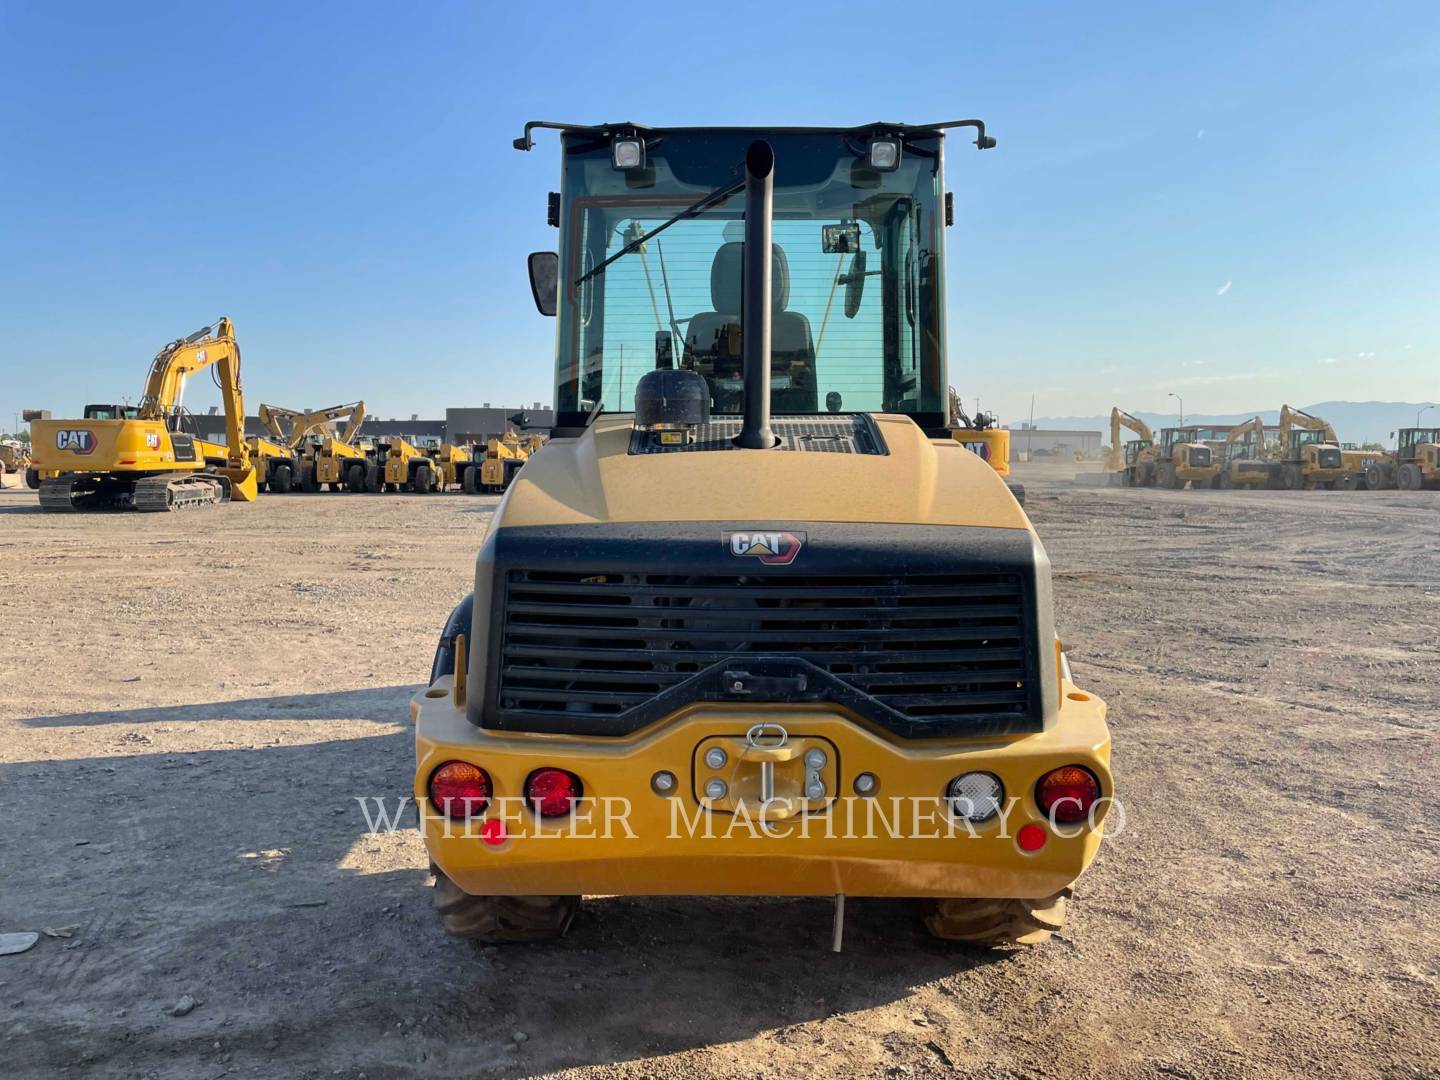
<point x="1243" y="456"/>
<point x="342" y="462"/>
<point x="453" y="462"/>
<point x="723" y="640"/>
<point x="496" y="468"/>
<point x="405" y="467"/>
<point x="1412" y="466"/>
<point x="15" y="458"/>
<point x="277" y="459"/>
<point x="1310" y="455"/>
<point x="140" y="457"/>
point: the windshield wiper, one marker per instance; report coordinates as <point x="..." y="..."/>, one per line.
<point x="715" y="198"/>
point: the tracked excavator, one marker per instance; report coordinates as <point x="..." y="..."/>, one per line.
<point x="980" y="434"/>
<point x="140" y="457"/>
<point x="1135" y="457"/>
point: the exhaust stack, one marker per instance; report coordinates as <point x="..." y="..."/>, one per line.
<point x="755" y="293"/>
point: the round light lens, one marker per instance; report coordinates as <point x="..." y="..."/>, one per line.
<point x="552" y="793"/>
<point x="976" y="796"/>
<point x="460" y="790"/>
<point x="1030" y="837"/>
<point x="1066" y="794"/>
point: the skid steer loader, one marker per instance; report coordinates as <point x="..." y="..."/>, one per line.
<point x="753" y="622"/>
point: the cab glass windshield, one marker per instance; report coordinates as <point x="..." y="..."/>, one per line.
<point x="857" y="273"/>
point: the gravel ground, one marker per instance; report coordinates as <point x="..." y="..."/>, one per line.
<point x="190" y="705"/>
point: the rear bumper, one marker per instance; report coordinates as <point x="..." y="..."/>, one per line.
<point x="627" y="839"/>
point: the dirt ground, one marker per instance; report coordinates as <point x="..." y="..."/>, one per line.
<point x="190" y="705"/>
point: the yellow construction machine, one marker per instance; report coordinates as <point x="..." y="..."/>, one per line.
<point x="981" y="435"/>
<point x="1309" y="455"/>
<point x="1243" y="456"/>
<point x="15" y="458"/>
<point x="140" y="456"/>
<point x="496" y="468"/>
<point x="406" y="467"/>
<point x="1412" y="466"/>
<point x="337" y="462"/>
<point x="768" y="651"/>
<point x="276" y="459"/>
<point x="1178" y="457"/>
<point x="453" y="462"/>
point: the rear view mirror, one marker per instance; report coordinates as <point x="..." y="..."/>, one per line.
<point x="855" y="284"/>
<point x="545" y="281"/>
<point x="840" y="239"/>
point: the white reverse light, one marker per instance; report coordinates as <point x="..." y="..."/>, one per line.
<point x="976" y="796"/>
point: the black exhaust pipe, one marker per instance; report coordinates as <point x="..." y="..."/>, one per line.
<point x="755" y="293"/>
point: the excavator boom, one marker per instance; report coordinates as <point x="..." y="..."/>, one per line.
<point x="1118" y="419"/>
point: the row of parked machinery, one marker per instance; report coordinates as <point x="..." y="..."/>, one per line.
<point x="143" y="457"/>
<point x="1302" y="451"/>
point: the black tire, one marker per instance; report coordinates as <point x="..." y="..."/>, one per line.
<point x="424" y="481"/>
<point x="1225" y="482"/>
<point x="355" y="477"/>
<point x="281" y="479"/>
<point x="32" y="479"/>
<point x="1409" y="477"/>
<point x="996" y="922"/>
<point x="470" y="482"/>
<point x="307" y="479"/>
<point x="1347" y="483"/>
<point x="373" y="483"/>
<point x="1377" y="477"/>
<point x="1291" y="478"/>
<point x="501" y="919"/>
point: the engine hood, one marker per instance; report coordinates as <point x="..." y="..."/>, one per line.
<point x="595" y="479"/>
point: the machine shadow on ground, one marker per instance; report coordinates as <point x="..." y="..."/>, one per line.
<point x="248" y="878"/>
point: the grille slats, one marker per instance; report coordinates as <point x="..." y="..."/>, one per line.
<point x="933" y="648"/>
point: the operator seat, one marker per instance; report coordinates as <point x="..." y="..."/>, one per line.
<point x="713" y="347"/>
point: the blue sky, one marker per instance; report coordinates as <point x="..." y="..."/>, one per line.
<point x="1234" y="201"/>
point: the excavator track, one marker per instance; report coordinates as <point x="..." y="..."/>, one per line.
<point x="178" y="491"/>
<point x="162" y="492"/>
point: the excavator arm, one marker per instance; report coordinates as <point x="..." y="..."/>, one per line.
<point x="1118" y="419"/>
<point x="275" y="418"/>
<point x="210" y="346"/>
<point x="1298" y="418"/>
<point x="306" y="424"/>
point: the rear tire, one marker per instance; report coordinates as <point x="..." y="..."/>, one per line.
<point x="471" y="480"/>
<point x="996" y="922"/>
<point x="424" y="481"/>
<point x="1347" y="483"/>
<point x="32" y="479"/>
<point x="501" y="919"/>
<point x="355" y="478"/>
<point x="1410" y="478"/>
<point x="307" y="479"/>
<point x="281" y="479"/>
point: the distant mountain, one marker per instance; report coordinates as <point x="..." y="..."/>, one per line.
<point x="1354" y="421"/>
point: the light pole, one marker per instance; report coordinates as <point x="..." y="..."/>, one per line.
<point x="1181" y="400"/>
<point x="1419" y="411"/>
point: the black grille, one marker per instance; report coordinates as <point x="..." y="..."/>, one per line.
<point x="938" y="650"/>
<point x="856" y="434"/>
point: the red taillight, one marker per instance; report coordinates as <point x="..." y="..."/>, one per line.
<point x="552" y="792"/>
<point x="460" y="790"/>
<point x="1066" y="794"/>
<point x="1030" y="837"/>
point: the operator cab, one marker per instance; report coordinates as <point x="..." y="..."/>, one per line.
<point x="112" y="412"/>
<point x="649" y="272"/>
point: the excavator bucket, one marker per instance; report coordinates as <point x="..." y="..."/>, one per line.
<point x="243" y="487"/>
